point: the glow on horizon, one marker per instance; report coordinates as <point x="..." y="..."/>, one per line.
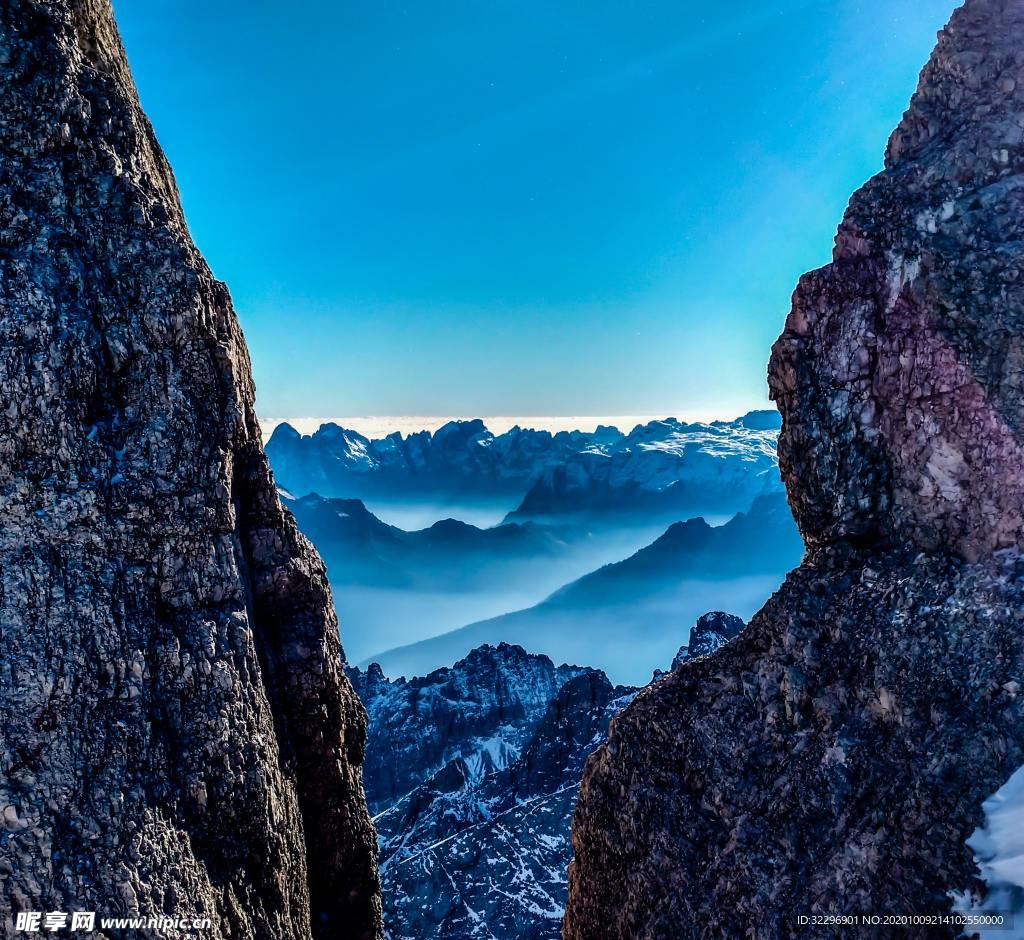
<point x="378" y="426"/>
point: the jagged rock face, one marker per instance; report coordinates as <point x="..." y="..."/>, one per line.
<point x="834" y="757"/>
<point x="900" y="374"/>
<point x="480" y="711"/>
<point x="479" y="847"/>
<point x="178" y="735"/>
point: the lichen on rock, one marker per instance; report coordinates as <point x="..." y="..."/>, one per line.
<point x="178" y="736"/>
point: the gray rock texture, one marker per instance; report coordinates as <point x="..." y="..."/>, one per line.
<point x="177" y="736"/>
<point x="834" y="756"/>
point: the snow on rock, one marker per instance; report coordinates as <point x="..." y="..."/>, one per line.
<point x="479" y="711"/>
<point x="498" y="847"/>
<point x="998" y="847"/>
<point x="705" y="464"/>
<point x="478" y="844"/>
<point x="336" y="461"/>
<point x="668" y="465"/>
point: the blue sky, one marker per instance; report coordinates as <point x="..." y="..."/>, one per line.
<point x="538" y="207"/>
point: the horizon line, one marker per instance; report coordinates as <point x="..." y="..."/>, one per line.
<point x="376" y="427"/>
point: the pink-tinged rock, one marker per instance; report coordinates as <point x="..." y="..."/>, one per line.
<point x="834" y="758"/>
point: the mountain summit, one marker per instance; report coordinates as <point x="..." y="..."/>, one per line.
<point x="661" y="469"/>
<point x="835" y="757"/>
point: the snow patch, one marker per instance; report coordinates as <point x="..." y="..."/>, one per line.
<point x="999" y="854"/>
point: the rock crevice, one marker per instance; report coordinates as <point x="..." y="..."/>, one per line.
<point x="179" y="737"/>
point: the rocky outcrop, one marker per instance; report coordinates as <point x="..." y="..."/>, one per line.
<point x="900" y="373"/>
<point x="834" y="757"/>
<point x="178" y="737"/>
<point x="711" y="632"/>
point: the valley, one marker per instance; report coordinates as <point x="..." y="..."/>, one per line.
<point x="608" y="543"/>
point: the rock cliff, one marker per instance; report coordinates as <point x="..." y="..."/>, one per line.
<point x="178" y="736"/>
<point x="834" y="757"/>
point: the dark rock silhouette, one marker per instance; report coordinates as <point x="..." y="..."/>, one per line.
<point x="179" y="737"/>
<point x="834" y="757"/>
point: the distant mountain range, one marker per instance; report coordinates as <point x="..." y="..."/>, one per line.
<point x="662" y="470"/>
<point x="625" y="616"/>
<point x="592" y="562"/>
<point x="335" y="461"/>
<point x="393" y="587"/>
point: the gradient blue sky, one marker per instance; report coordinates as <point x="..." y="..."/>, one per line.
<point x="521" y="208"/>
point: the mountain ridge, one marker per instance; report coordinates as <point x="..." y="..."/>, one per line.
<point x="474" y="837"/>
<point x="723" y="463"/>
<point x="747" y="556"/>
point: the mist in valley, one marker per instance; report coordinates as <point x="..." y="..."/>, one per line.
<point x="413" y="514"/>
<point x="628" y="639"/>
<point x="572" y="545"/>
<point x="453" y="585"/>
